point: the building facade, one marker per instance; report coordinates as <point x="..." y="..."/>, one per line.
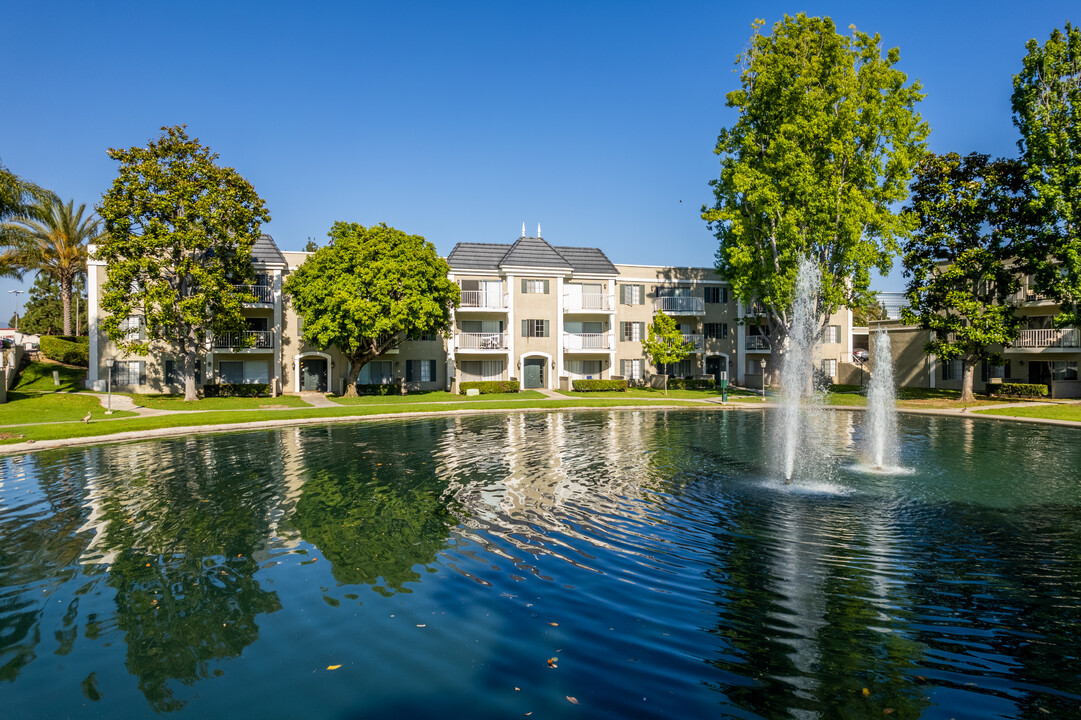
<point x="530" y="311"/>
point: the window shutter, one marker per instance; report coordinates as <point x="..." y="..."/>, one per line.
<point x="545" y="334"/>
<point x="724" y="330"/>
<point x="525" y="326"/>
<point x="409" y="370"/>
<point x="641" y="294"/>
<point x="641" y="330"/>
<point x="622" y="294"/>
<point x="142" y="372"/>
<point x="724" y="295"/>
<point x="431" y="370"/>
<point x="523" y="285"/>
<point x="545" y="287"/>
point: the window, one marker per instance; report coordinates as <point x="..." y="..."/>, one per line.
<point x="713" y="295"/>
<point x="300" y="327"/>
<point x="174" y="374"/>
<point x="716" y="331"/>
<point x="473" y="370"/>
<point x="951" y="370"/>
<point x="420" y="371"/>
<point x="833" y="334"/>
<point x="631" y="369"/>
<point x="1064" y="370"/>
<point x="377" y="372"/>
<point x="632" y="294"/>
<point x="132" y="328"/>
<point x="231" y="373"/>
<point x="583" y="369"/>
<point x="829" y="368"/>
<point x="755" y="368"/>
<point x="632" y="331"/>
<point x="537" y="287"/>
<point x="989" y="371"/>
<point x="129" y="372"/>
<point x="535" y="328"/>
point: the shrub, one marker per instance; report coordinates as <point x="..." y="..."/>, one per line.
<point x="487" y="387"/>
<point x="236" y="390"/>
<point x="379" y="389"/>
<point x="65" y="351"/>
<point x="599" y="385"/>
<point x="691" y="384"/>
<point x="1018" y="390"/>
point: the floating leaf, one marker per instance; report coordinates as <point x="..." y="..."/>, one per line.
<point x="888" y="711"/>
<point x="554" y="624"/>
<point x="866" y="692"/>
<point x="572" y="700"/>
<point x="333" y="667"/>
<point x="552" y="662"/>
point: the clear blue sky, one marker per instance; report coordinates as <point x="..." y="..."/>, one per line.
<point x="459" y="121"/>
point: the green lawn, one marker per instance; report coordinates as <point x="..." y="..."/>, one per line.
<point x="434" y="396"/>
<point x="38" y="377"/>
<point x="1046" y="412"/>
<point x="910" y="398"/>
<point x="651" y="394"/>
<point x="177" y="402"/>
<point x="94" y="429"/>
<point x="36" y="407"/>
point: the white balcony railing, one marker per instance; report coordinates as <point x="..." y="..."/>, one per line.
<point x="698" y="342"/>
<point x="480" y="341"/>
<point x="483" y="300"/>
<point x="257" y="339"/>
<point x="757" y="342"/>
<point x="586" y="302"/>
<point x="682" y="305"/>
<point x="1052" y="337"/>
<point x="587" y="341"/>
<point x="262" y="293"/>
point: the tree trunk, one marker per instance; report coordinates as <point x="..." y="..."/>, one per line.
<point x="355" y="365"/>
<point x="189" y="376"/>
<point x="65" y="303"/>
<point x="968" y="373"/>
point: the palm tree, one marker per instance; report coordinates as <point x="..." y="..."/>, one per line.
<point x="52" y="238"/>
<point x="18" y="198"/>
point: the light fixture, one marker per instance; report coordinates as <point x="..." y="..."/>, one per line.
<point x="109" y="362"/>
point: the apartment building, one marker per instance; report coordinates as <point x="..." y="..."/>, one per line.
<point x="542" y="314"/>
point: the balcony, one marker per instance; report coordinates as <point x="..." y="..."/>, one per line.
<point x="697" y="342"/>
<point x="756" y="308"/>
<point x="1049" y="338"/>
<point x="587" y="303"/>
<point x="681" y="305"/>
<point x="480" y="341"/>
<point x="248" y="340"/>
<point x="587" y="342"/>
<point x="757" y="343"/>
<point x="483" y="300"/>
<point x="262" y="293"/>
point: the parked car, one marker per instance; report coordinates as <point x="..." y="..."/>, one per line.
<point x="861" y="355"/>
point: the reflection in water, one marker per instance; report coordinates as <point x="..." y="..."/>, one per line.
<point x="441" y="563"/>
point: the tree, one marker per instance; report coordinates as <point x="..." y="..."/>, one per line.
<point x="1047" y="111"/>
<point x="179" y="231"/>
<point x="862" y="316"/>
<point x="824" y="147"/>
<point x="43" y="312"/>
<point x="370" y="289"/>
<point x="962" y="282"/>
<point x="665" y="344"/>
<point x="52" y="238"/>
<point x="311" y="246"/>
<point x="18" y="198"/>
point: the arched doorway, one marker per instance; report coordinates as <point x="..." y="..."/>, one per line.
<point x="312" y="372"/>
<point x="533" y="372"/>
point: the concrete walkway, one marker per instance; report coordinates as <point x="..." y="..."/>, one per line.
<point x="319" y="400"/>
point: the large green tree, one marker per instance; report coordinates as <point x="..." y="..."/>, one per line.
<point x="179" y="230"/>
<point x="962" y="284"/>
<point x="1047" y="111"/>
<point x="52" y="238"/>
<point x="370" y="289"/>
<point x="823" y="148"/>
<point x="664" y="344"/>
<point x="43" y="313"/>
<point x="18" y="198"/>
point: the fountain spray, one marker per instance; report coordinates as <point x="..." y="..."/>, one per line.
<point x="797" y="371"/>
<point x="882" y="406"/>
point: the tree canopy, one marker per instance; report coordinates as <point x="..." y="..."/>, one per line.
<point x="43" y="312"/>
<point x="824" y="147"/>
<point x="18" y="199"/>
<point x="665" y="344"/>
<point x="370" y="289"/>
<point x="962" y="281"/>
<point x="179" y="230"/>
<point x="1047" y="111"/>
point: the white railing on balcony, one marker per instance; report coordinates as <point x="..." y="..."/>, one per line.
<point x="1048" y="338"/>
<point x="587" y="341"/>
<point x="586" y="302"/>
<point x="483" y="300"/>
<point x="262" y="293"/>
<point x="480" y="341"/>
<point x="756" y="308"/>
<point x="698" y="342"/>
<point x="258" y="339"/>
<point x="757" y="342"/>
<point x="682" y="305"/>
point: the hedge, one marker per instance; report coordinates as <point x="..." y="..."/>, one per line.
<point x="236" y="390"/>
<point x="65" y="351"/>
<point x="1018" y="390"/>
<point x="691" y="384"/>
<point x="487" y="387"/>
<point x="379" y="389"/>
<point x="598" y="385"/>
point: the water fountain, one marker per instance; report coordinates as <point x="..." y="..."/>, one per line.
<point x="881" y="419"/>
<point x="797" y="370"/>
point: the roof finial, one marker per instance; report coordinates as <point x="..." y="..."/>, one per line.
<point x="523" y="228"/>
<point x="538" y="230"/>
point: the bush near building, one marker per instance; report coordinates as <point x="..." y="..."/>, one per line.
<point x="692" y="383"/>
<point x="488" y="387"/>
<point x="1017" y="390"/>
<point x="379" y="389"/>
<point x="599" y="385"/>
<point x="67" y="349"/>
<point x="226" y="390"/>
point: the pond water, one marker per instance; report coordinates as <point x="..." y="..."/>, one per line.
<point x="600" y="565"/>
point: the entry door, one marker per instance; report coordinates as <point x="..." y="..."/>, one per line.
<point x="313" y="375"/>
<point x="534" y="373"/>
<point x="714" y="367"/>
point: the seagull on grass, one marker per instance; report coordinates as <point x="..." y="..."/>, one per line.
<point x="86" y="418"/>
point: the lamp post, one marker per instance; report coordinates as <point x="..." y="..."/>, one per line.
<point x="17" y="294"/>
<point x="762" y="364"/>
<point x="109" y="362"/>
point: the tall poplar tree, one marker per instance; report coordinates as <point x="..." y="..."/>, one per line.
<point x="178" y="234"/>
<point x="822" y="150"/>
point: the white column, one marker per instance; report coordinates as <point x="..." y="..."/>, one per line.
<point x="92" y="317"/>
<point x="559" y="336"/>
<point x="510" y="328"/>
<point x="279" y="332"/>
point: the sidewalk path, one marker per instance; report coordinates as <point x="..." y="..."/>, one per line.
<point x="318" y="399"/>
<point x="123" y="402"/>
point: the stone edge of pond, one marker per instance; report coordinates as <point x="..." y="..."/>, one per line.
<point x="164" y="433"/>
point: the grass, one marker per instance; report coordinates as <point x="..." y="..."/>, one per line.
<point x="1046" y="412"/>
<point x="651" y="394"/>
<point x="38" y="377"/>
<point x="910" y="398"/>
<point x="434" y="396"/>
<point x="37" y="407"/>
<point x="79" y="430"/>
<point x="177" y="402"/>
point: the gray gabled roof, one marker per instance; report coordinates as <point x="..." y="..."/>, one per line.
<point x="529" y="252"/>
<point x="266" y="252"/>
